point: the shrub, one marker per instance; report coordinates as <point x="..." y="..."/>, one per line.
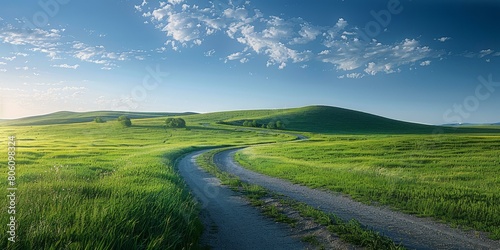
<point x="175" y="123"/>
<point x="124" y="121"/>
<point x="99" y="120"/>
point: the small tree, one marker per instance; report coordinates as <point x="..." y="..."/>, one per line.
<point x="124" y="121"/>
<point x="99" y="120"/>
<point x="175" y="123"/>
<point x="271" y="125"/>
<point x="280" y="125"/>
<point x="247" y="124"/>
<point x="254" y="123"/>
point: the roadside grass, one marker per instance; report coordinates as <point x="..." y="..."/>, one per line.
<point x="452" y="177"/>
<point x="351" y="231"/>
<point x="101" y="186"/>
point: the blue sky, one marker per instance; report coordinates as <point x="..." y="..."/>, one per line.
<point x="418" y="61"/>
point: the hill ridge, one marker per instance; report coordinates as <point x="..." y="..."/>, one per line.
<point x="67" y="117"/>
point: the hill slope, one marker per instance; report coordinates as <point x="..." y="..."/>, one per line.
<point x="326" y="119"/>
<point x="65" y="117"/>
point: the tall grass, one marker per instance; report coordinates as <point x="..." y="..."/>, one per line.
<point x="100" y="186"/>
<point x="454" y="178"/>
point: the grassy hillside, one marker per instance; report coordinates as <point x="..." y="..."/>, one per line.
<point x="65" y="117"/>
<point x="102" y="186"/>
<point x="333" y="120"/>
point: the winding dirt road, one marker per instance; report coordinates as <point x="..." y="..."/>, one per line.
<point x="230" y="221"/>
<point x="412" y="232"/>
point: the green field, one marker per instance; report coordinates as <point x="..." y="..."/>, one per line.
<point x="87" y="185"/>
<point x="102" y="186"/>
<point x="451" y="177"/>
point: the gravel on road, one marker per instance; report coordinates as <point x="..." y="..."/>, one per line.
<point x="411" y="231"/>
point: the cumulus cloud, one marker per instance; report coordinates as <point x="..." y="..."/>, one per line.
<point x="282" y="41"/>
<point x="425" y="63"/>
<point x="443" y="39"/>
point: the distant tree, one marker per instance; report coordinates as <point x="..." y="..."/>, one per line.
<point x="263" y="126"/>
<point x="125" y="121"/>
<point x="175" y="123"/>
<point x="254" y="124"/>
<point x="280" y="125"/>
<point x="99" y="120"/>
<point x="271" y="125"/>
<point x="247" y="123"/>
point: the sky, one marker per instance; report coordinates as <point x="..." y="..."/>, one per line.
<point x="432" y="62"/>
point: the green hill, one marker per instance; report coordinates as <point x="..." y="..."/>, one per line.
<point x="65" y="117"/>
<point x="325" y="119"/>
<point x="317" y="119"/>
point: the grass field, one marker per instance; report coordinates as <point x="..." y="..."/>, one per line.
<point x="452" y="177"/>
<point x="86" y="185"/>
<point x="102" y="186"/>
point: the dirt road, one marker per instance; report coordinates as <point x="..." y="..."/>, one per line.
<point x="413" y="232"/>
<point x="232" y="223"/>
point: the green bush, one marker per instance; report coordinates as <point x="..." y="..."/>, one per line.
<point x="99" y="120"/>
<point x="175" y="123"/>
<point x="125" y="121"/>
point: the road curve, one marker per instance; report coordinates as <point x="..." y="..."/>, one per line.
<point x="230" y="221"/>
<point x="413" y="232"/>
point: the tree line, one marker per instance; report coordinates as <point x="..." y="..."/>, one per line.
<point x="270" y="125"/>
<point x="126" y="122"/>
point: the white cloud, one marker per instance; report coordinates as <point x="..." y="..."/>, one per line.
<point x="425" y="63"/>
<point x="38" y="40"/>
<point x="66" y="66"/>
<point x="352" y="55"/>
<point x="282" y="41"/>
<point x="443" y="39"/>
<point x="99" y="55"/>
<point x="25" y="68"/>
<point x="352" y="76"/>
<point x="235" y="56"/>
<point x="2" y="63"/>
<point x="174" y="2"/>
<point x="210" y="53"/>
<point x="12" y="58"/>
<point x="485" y="52"/>
<point x="182" y="27"/>
<point x="307" y="34"/>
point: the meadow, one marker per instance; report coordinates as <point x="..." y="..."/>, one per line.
<point x="101" y="186"/>
<point x="454" y="178"/>
<point x="88" y="185"/>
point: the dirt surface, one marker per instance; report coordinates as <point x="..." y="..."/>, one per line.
<point x="411" y="231"/>
<point x="230" y="221"/>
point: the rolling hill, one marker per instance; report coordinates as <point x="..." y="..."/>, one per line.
<point x="326" y="119"/>
<point x="65" y="117"/>
<point x="316" y="119"/>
